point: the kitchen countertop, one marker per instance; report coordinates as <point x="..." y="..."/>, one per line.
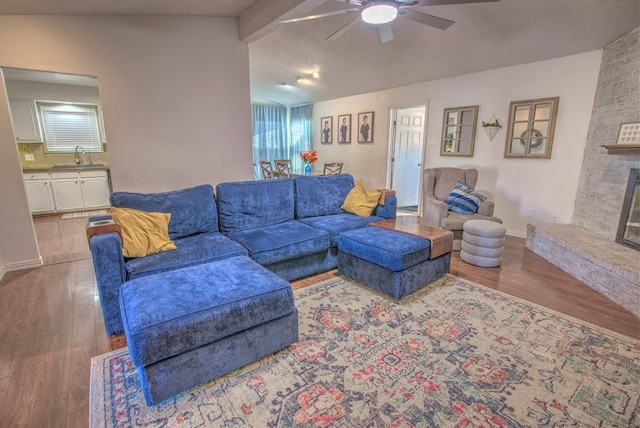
<point x="66" y="168"/>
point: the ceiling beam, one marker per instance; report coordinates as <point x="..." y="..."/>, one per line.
<point x="264" y="16"/>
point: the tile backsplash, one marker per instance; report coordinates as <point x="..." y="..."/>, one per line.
<point x="44" y="160"/>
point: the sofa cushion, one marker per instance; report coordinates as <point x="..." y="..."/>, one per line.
<point x="321" y="195"/>
<point x="282" y="241"/>
<point x="360" y="200"/>
<point x="336" y="224"/>
<point x="464" y="199"/>
<point x="192" y="210"/>
<point x="143" y="233"/>
<point x="190" y="250"/>
<point x="173" y="312"/>
<point x="246" y="205"/>
<point x="387" y="248"/>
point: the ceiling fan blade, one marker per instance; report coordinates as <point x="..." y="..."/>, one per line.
<point x="321" y="15"/>
<point x="343" y="29"/>
<point x="449" y="2"/>
<point x="423" y="18"/>
<point x="386" y="34"/>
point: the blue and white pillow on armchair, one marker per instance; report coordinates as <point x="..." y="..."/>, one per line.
<point x="464" y="200"/>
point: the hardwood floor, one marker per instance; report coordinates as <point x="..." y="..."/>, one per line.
<point x="51" y="321"/>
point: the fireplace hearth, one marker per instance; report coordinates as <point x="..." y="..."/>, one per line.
<point x="629" y="225"/>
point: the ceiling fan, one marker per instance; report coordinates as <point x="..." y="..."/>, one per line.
<point x="383" y="12"/>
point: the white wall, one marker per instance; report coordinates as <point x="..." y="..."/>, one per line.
<point x="547" y="186"/>
<point x="18" y="247"/>
<point x="175" y="98"/>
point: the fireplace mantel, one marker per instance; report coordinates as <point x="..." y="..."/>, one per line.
<point x="623" y="149"/>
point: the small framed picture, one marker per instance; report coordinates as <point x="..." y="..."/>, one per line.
<point x="365" y="127"/>
<point x="629" y="133"/>
<point x="326" y="126"/>
<point x="344" y="129"/>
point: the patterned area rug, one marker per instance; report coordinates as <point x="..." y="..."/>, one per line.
<point x="454" y="354"/>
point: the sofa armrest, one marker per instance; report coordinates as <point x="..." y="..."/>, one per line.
<point x="106" y="225"/>
<point x="388" y="204"/>
<point x="486" y="208"/>
<point x="433" y="211"/>
<point x="108" y="263"/>
<point x="384" y="193"/>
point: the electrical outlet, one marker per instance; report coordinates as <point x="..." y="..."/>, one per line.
<point x="531" y="212"/>
<point x="29" y="157"/>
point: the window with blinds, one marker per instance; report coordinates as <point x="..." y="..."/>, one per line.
<point x="66" y="126"/>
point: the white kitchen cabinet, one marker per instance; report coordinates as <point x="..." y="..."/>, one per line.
<point x="39" y="194"/>
<point x="25" y="120"/>
<point x="67" y="191"/>
<point x="95" y="189"/>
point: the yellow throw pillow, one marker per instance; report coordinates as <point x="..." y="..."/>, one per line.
<point x="361" y="201"/>
<point x="143" y="233"/>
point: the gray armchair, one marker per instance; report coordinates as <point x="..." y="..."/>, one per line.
<point x="438" y="184"/>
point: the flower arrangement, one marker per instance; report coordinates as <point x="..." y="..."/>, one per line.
<point x="309" y="157"/>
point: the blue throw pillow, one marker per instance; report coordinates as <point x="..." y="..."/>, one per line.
<point x="464" y="200"/>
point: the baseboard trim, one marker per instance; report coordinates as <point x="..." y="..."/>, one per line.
<point x="3" y="270"/>
<point x="24" y="264"/>
<point x="516" y="233"/>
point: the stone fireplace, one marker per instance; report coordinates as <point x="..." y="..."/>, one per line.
<point x="587" y="248"/>
<point x="629" y="224"/>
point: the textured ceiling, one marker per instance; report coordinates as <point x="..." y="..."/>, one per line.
<point x="484" y="36"/>
<point x="125" y="7"/>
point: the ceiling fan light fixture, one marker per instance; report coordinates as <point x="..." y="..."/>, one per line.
<point x="379" y="13"/>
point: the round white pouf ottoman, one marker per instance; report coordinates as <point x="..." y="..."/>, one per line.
<point x="482" y="243"/>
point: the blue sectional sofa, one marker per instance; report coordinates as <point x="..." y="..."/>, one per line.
<point x="289" y="226"/>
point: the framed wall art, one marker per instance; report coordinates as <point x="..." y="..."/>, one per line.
<point x="365" y="127"/>
<point x="344" y="129"/>
<point x="629" y="133"/>
<point x="459" y="131"/>
<point x="532" y="124"/>
<point x="326" y="126"/>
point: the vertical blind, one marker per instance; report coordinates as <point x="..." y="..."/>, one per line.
<point x="66" y="126"/>
<point x="277" y="135"/>
<point x="301" y="133"/>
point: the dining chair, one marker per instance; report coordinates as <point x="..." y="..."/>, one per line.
<point x="332" y="168"/>
<point x="283" y="167"/>
<point x="267" y="170"/>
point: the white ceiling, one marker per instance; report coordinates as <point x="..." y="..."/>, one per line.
<point x="484" y="36"/>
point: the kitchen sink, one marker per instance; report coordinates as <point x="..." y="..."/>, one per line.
<point x="81" y="166"/>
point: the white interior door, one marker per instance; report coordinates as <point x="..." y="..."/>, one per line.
<point x="407" y="154"/>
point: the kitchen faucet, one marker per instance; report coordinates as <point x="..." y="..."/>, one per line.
<point x="77" y="155"/>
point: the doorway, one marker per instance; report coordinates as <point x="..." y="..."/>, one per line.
<point x="407" y="130"/>
<point x="27" y="90"/>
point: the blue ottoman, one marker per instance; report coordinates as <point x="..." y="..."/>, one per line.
<point x="188" y="326"/>
<point x="391" y="262"/>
